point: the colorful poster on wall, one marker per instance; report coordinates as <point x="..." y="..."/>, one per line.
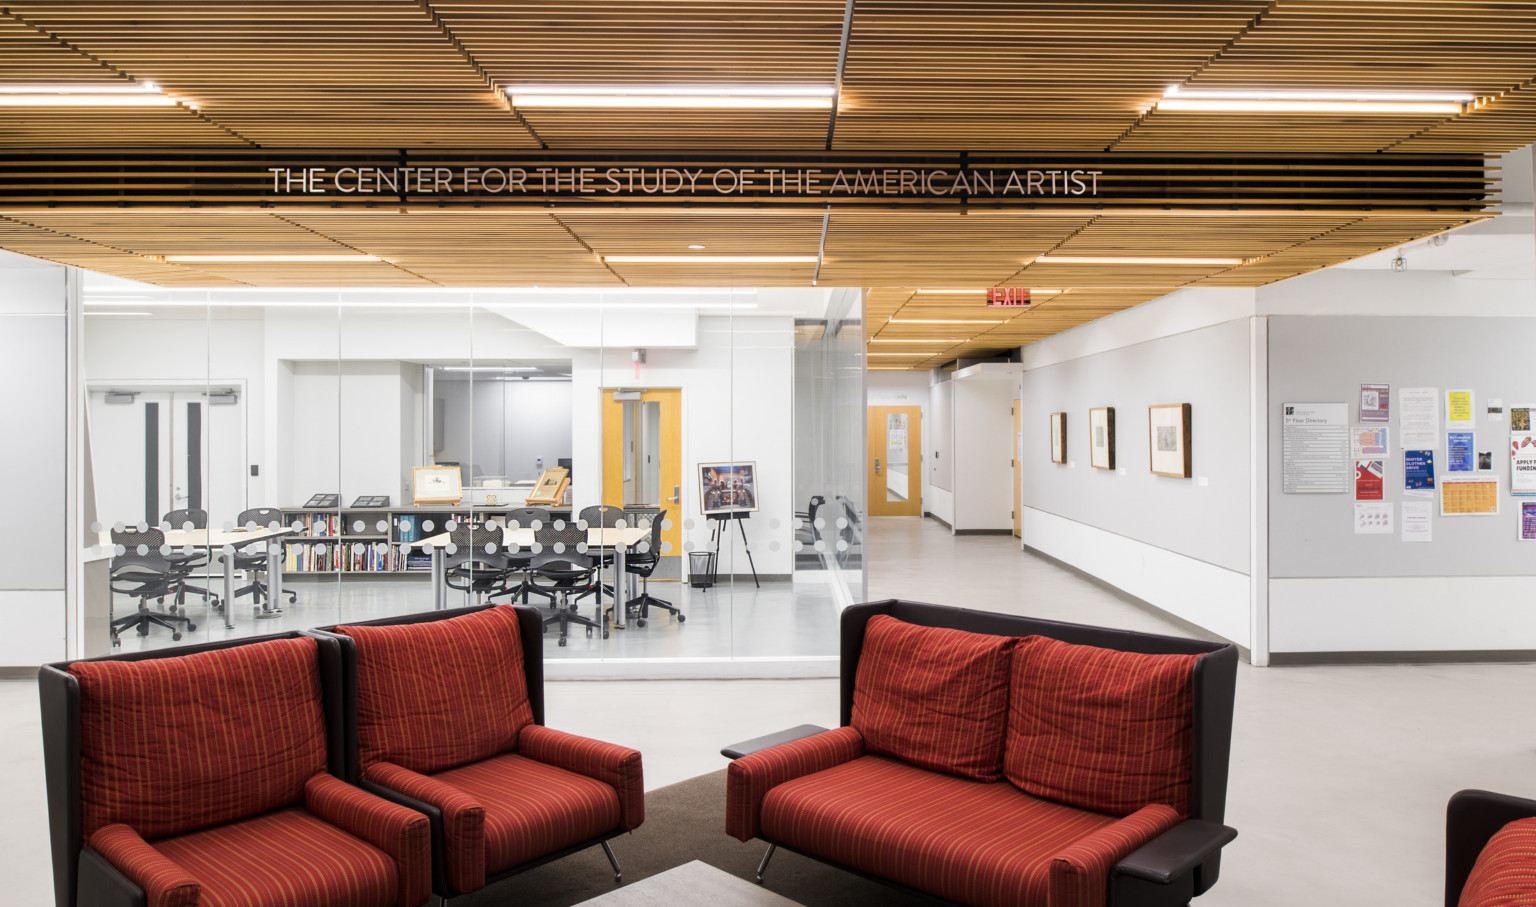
<point x="1369" y="441"/>
<point x="1419" y="472"/>
<point x="1375" y="403"/>
<point x="1520" y="418"/>
<point x="1460" y="452"/>
<point x="1419" y="423"/>
<point x="1522" y="464"/>
<point x="1469" y="497"/>
<point x="1368" y="479"/>
<point x="1528" y="521"/>
<point x="1458" y="409"/>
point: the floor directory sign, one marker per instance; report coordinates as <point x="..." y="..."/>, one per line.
<point x="1315" y="448"/>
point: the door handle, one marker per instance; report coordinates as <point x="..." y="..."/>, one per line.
<point x="877" y="465"/>
<point x="677" y="491"/>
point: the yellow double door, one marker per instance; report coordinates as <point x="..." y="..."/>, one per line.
<point x="643" y="455"/>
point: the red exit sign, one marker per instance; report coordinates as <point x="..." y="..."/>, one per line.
<point x="1017" y="297"/>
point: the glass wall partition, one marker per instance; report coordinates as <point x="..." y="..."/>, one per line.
<point x="661" y="473"/>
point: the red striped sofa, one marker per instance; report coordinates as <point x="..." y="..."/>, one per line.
<point x="991" y="759"/>
<point x="207" y="775"/>
<point x="1490" y="850"/>
<point x="445" y="715"/>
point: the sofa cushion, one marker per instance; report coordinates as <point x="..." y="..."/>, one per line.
<point x="287" y="858"/>
<point x="533" y="809"/>
<point x="169" y="745"/>
<point x="440" y="693"/>
<point x="1505" y="872"/>
<point x="958" y="839"/>
<point x="934" y="697"/>
<point x="1101" y="729"/>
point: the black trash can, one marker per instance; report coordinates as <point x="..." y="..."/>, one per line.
<point x="701" y="569"/>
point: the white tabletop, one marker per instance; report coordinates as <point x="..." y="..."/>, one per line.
<point x="524" y="537"/>
<point x="203" y="538"/>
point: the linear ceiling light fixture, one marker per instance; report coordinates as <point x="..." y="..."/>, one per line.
<point x="1290" y="101"/>
<point x="712" y="259"/>
<point x="347" y="257"/>
<point x="941" y="321"/>
<point x="138" y="94"/>
<point x="1129" y="260"/>
<point x="927" y="340"/>
<point x="720" y="97"/>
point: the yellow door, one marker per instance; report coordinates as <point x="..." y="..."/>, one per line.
<point x="1018" y="466"/>
<point x="643" y="455"/>
<point x="895" y="461"/>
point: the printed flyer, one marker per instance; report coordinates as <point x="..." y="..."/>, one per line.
<point x="1419" y="472"/>
<point x="1368" y="480"/>
<point x="1522" y="464"/>
<point x="1375" y="403"/>
<point x="1460" y="455"/>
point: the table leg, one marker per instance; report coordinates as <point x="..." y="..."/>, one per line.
<point x="618" y="586"/>
<point x="439" y="580"/>
<point x="274" y="600"/>
<point x="229" y="589"/>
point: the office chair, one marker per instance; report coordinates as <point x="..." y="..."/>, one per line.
<point x="568" y="571"/>
<point x="253" y="558"/>
<point x="603" y="516"/>
<point x="145" y="574"/>
<point x="522" y="560"/>
<point x="471" y="567"/>
<point x="643" y="564"/>
<point x="179" y="520"/>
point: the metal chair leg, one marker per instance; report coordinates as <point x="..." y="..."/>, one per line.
<point x="763" y="866"/>
<point x="618" y="874"/>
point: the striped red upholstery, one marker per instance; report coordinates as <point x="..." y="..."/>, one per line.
<point x="966" y="841"/>
<point x="463" y="820"/>
<point x="169" y="745"/>
<point x="616" y="766"/>
<point x="440" y="693"/>
<point x="1505" y="872"/>
<point x="404" y="834"/>
<point x="749" y="779"/>
<point x="286" y="858"/>
<point x="1101" y="729"/>
<point x="934" y="697"/>
<point x="164" y="883"/>
<point x="533" y="809"/>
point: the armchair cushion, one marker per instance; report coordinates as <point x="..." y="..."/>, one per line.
<point x="955" y="838"/>
<point x="749" y="779"/>
<point x="164" y="883"/>
<point x="170" y="745"/>
<point x="1505" y="872"/>
<point x="617" y="766"/>
<point x="404" y="834"/>
<point x="287" y="858"/>
<point x="1101" y="729"/>
<point x="441" y="693"/>
<point x="463" y="820"/>
<point x="934" y="697"/>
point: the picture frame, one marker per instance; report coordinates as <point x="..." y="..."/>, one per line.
<point x="1168" y="447"/>
<point x="436" y="485"/>
<point x="728" y="488"/>
<point x="550" y="487"/>
<point x="1101" y="437"/>
<point x="1058" y="437"/>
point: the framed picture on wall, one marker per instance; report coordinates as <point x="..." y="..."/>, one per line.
<point x="1058" y="437"/>
<point x="726" y="488"/>
<point x="1168" y="439"/>
<point x="436" y="485"/>
<point x="1101" y="437"/>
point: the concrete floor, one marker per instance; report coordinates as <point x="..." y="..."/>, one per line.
<point x="1339" y="774"/>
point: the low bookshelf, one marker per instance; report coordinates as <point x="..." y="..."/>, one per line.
<point x="373" y="541"/>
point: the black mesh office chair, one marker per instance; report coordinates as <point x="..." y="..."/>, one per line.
<point x="478" y="564"/>
<point x="642" y="562"/>
<point x="181" y="520"/>
<point x="253" y="557"/>
<point x="143" y="570"/>
<point x="603" y="516"/>
<point x="521" y="561"/>
<point x="807" y="533"/>
<point x="567" y="571"/>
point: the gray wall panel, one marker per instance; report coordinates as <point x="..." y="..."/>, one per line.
<point x="32" y="451"/>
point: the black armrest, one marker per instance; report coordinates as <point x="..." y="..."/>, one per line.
<point x="1471" y="818"/>
<point x="756" y="744"/>
<point x="1176" y="851"/>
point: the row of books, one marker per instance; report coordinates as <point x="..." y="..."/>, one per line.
<point x="323" y="558"/>
<point x="319" y="525"/>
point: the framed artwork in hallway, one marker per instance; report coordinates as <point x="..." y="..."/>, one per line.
<point x="1168" y="440"/>
<point x="1101" y="437"/>
<point x="1058" y="437"/>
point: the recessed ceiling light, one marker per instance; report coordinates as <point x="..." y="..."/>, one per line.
<point x="1307" y="101"/>
<point x="711" y="259"/>
<point x="1130" y="260"/>
<point x="695" y="246"/>
<point x="724" y="97"/>
<point x="353" y="256"/>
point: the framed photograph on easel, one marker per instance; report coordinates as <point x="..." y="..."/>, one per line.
<point x="727" y="488"/>
<point x="436" y="485"/>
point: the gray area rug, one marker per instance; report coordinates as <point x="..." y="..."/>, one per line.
<point x="684" y="822"/>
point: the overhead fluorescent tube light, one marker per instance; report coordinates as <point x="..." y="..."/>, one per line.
<point x="712" y="259"/>
<point x="723" y="97"/>
<point x="1129" y="260"/>
<point x="144" y="94"/>
<point x="487" y="368"/>
<point x="929" y="340"/>
<point x="1301" y="101"/>
<point x="954" y="292"/>
<point x="353" y="256"/>
<point x="940" y="321"/>
<point x="919" y="354"/>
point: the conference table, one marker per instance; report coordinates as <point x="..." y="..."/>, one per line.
<point x="523" y="538"/>
<point x="223" y="545"/>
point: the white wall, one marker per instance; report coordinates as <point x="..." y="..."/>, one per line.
<point x="983" y="450"/>
<point x="940" y="444"/>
